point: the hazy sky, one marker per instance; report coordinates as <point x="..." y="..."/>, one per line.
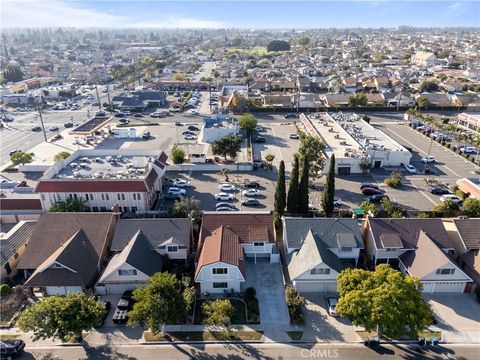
<point x="239" y="14"/>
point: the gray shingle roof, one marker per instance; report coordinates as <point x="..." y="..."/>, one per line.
<point x="469" y="230"/>
<point x="313" y="252"/>
<point x="156" y="231"/>
<point x="326" y="228"/>
<point x="14" y="239"/>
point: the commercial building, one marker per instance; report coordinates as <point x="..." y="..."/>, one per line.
<point x="102" y="179"/>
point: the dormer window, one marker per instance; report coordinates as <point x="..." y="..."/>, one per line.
<point x="320" y="271"/>
<point x="391" y="249"/>
<point x="258" y="244"/>
<point x="346" y="248"/>
<point x="445" y="271"/>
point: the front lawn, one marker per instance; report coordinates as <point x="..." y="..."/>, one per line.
<point x="427" y="334"/>
<point x="205" y="336"/>
<point x="239" y="317"/>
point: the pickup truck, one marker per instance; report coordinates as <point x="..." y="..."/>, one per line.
<point x="123" y="307"/>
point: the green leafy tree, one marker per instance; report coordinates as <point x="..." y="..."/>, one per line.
<point x="62" y="317"/>
<point x="21" y="157"/>
<point x="394" y="180"/>
<point x="62" y="155"/>
<point x="429" y="86"/>
<point x="303" y="41"/>
<point x="312" y="148"/>
<point x="329" y="193"/>
<point x="303" y="187"/>
<point x="278" y="45"/>
<point x="280" y="191"/>
<point x="159" y="302"/>
<point x="178" y="155"/>
<point x="295" y="303"/>
<point x="422" y="102"/>
<point x="188" y="293"/>
<point x="393" y="209"/>
<point x="471" y="207"/>
<point x="367" y="206"/>
<point x="69" y="205"/>
<point x="247" y="123"/>
<point x="224" y="172"/>
<point x="269" y="158"/>
<point x="292" y="199"/>
<point x="383" y="299"/>
<point x="447" y="209"/>
<point x="218" y="312"/>
<point x="185" y="207"/>
<point x="227" y="146"/>
<point x="179" y="77"/>
<point x="357" y="100"/>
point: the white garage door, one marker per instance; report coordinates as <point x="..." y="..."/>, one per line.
<point x="119" y="288"/>
<point x="62" y="290"/>
<point x="443" y="287"/>
<point x="315" y="286"/>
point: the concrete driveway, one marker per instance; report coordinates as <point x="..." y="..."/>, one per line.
<point x="458" y="317"/>
<point x="267" y="279"/>
<point x="321" y="327"/>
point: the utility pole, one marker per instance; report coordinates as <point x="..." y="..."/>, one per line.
<point x="98" y="98"/>
<point x="108" y="96"/>
<point x="41" y="121"/>
<point x="428" y="155"/>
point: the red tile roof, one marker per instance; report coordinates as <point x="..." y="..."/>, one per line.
<point x="20" y="204"/>
<point x="152" y="176"/>
<point x="46" y="186"/>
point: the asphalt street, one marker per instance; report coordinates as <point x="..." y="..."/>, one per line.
<point x="253" y="351"/>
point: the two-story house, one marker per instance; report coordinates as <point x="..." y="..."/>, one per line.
<point x="318" y="249"/>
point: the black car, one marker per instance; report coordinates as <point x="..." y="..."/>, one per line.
<point x="368" y="185"/>
<point x="437" y="190"/>
<point x="14" y="152"/>
<point x="178" y="123"/>
<point x="193" y="128"/>
<point x="36" y="128"/>
<point x="377" y="198"/>
<point x="124" y="121"/>
<point x="123" y="307"/>
<point x="250" y="202"/>
<point x="252" y="184"/>
<point x="68" y="125"/>
<point x="291" y="116"/>
<point x="119" y="115"/>
<point x="11" y="348"/>
<point x="259" y="139"/>
<point x="188" y="133"/>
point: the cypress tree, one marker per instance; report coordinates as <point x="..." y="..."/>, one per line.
<point x="280" y="191"/>
<point x="292" y="200"/>
<point x="329" y="193"/>
<point x="303" y="187"/>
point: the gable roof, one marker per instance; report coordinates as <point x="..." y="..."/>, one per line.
<point x="249" y="227"/>
<point x="426" y="258"/>
<point x="469" y="230"/>
<point x="312" y="253"/>
<point x="139" y="254"/>
<point x="296" y="230"/>
<point x="11" y="241"/>
<point x="223" y="245"/>
<point x="408" y="230"/>
<point x="78" y="261"/>
<point x="156" y="231"/>
<point x="55" y="229"/>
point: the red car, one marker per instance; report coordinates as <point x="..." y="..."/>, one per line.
<point x="371" y="191"/>
<point x="138" y="115"/>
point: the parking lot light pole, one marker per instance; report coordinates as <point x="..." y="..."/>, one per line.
<point x="41" y="121"/>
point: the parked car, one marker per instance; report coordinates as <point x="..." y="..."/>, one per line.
<point x="156" y="115"/>
<point x="124" y="305"/>
<point x="291" y="116"/>
<point x="368" y="185"/>
<point x="259" y="139"/>
<point x="188" y="132"/>
<point x="258" y="128"/>
<point x="176" y="191"/>
<point x="250" y="202"/>
<point x="252" y="184"/>
<point x="411" y="169"/>
<point x="182" y="183"/>
<point x="428" y="159"/>
<point x="119" y="114"/>
<point x="227" y="187"/>
<point x="331" y="304"/>
<point x="438" y="190"/>
<point x="251" y="192"/>
<point x="36" y="128"/>
<point x="372" y="191"/>
<point x="11" y="348"/>
<point x="190" y="137"/>
<point x="123" y="121"/>
<point x="224" y="196"/>
<point x="178" y="123"/>
<point x="193" y="128"/>
<point x="224" y="204"/>
<point x="294" y="136"/>
<point x="377" y="198"/>
<point x="14" y="152"/>
<point x="454" y="198"/>
<point x="53" y="128"/>
<point x="100" y="114"/>
<point x="226" y="208"/>
<point x="68" y="125"/>
<point x="194" y="112"/>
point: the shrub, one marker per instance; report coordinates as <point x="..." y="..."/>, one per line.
<point x="394" y="180"/>
<point x="5" y="290"/>
<point x="448" y="146"/>
<point x="294" y="302"/>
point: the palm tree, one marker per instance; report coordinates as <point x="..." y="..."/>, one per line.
<point x="224" y="172"/>
<point x="69" y="205"/>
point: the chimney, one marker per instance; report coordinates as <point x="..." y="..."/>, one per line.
<point x="116" y="211"/>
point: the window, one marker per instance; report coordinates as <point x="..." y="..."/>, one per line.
<point x="320" y="271"/>
<point x="15" y="256"/>
<point x="86" y="197"/>
<point x="75" y="196"/>
<point x="103" y="196"/>
<point x="172" y="249"/>
<point x="258" y="244"/>
<point x="139" y="196"/>
<point x="118" y="196"/>
<point x="134" y="208"/>
<point x="391" y="249"/>
<point x="219" y="271"/>
<point x="43" y="197"/>
<point x="107" y="197"/>
<point x="123" y="196"/>
<point x="70" y="196"/>
<point x="346" y="249"/>
<point x="91" y="196"/>
<point x="220" y="285"/>
<point x="95" y="209"/>
<point x="134" y="196"/>
<point x="127" y="272"/>
<point x="445" y="271"/>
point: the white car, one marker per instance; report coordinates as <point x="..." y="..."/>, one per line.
<point x="224" y="204"/>
<point x="181" y="183"/>
<point x="332" y="303"/>
<point x="411" y="169"/>
<point x="224" y="197"/>
<point x="453" y="198"/>
<point x="194" y="112"/>
<point x="176" y="191"/>
<point x="227" y="187"/>
<point x="428" y="159"/>
<point x="225" y="208"/>
<point x="294" y="136"/>
<point x="190" y="137"/>
<point x="250" y="192"/>
<point x="53" y="128"/>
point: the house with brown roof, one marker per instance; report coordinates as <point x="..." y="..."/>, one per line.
<point x="228" y="240"/>
<point x="67" y="251"/>
<point x="418" y="247"/>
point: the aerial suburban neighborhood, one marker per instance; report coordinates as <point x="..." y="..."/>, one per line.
<point x="195" y="189"/>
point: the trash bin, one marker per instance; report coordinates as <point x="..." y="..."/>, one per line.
<point x="422" y="341"/>
<point x="434" y="341"/>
